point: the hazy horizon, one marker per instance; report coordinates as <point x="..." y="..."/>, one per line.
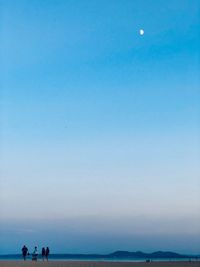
<point x="99" y="125"/>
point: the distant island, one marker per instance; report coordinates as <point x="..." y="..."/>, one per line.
<point x="131" y="255"/>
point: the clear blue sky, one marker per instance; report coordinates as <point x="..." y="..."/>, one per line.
<point x="99" y="139"/>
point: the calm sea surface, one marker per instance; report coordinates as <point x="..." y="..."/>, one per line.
<point x="58" y="257"/>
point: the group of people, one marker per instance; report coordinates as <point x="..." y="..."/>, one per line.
<point x="44" y="253"/>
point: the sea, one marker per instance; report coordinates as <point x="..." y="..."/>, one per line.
<point x="61" y="257"/>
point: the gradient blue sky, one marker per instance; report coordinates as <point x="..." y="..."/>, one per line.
<point x="100" y="126"/>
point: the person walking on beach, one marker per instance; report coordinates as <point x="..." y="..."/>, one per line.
<point x="24" y="252"/>
<point x="43" y="253"/>
<point x="47" y="253"/>
<point x="35" y="254"/>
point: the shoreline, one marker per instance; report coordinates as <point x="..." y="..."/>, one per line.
<point x="61" y="263"/>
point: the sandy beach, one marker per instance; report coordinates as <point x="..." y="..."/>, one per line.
<point x="96" y="264"/>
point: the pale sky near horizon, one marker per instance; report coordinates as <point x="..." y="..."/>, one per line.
<point x="99" y="126"/>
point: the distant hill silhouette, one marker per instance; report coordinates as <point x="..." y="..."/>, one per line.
<point x="129" y="255"/>
<point x="140" y="254"/>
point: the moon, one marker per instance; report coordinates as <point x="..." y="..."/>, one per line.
<point x="141" y="32"/>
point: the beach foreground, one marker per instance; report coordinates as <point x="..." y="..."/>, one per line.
<point x="96" y="264"/>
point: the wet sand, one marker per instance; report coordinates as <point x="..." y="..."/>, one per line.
<point x="96" y="264"/>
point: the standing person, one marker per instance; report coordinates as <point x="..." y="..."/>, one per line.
<point x="43" y="253"/>
<point x="24" y="252"/>
<point x="35" y="254"/>
<point x="47" y="253"/>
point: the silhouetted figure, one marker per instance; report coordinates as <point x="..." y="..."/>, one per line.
<point x="43" y="253"/>
<point x="24" y="252"/>
<point x="47" y="253"/>
<point x="35" y="254"/>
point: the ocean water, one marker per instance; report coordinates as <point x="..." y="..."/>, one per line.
<point x="60" y="257"/>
